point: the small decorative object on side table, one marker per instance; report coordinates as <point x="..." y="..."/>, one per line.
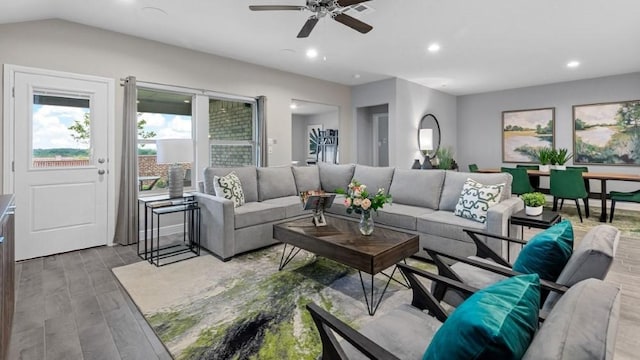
<point x="359" y="200"/>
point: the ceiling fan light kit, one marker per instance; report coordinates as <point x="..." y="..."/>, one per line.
<point x="320" y="8"/>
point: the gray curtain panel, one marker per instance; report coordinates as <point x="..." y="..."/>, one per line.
<point x="127" y="221"/>
<point x="262" y="126"/>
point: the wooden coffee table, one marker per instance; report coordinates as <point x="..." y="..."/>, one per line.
<point x="342" y="242"/>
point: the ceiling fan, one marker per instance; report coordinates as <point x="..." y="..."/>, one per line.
<point x="321" y="8"/>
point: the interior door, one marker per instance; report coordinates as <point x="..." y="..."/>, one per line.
<point x="60" y="163"/>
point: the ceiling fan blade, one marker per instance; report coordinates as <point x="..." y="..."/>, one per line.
<point x="307" y="27"/>
<point x="344" y="3"/>
<point x="275" y="7"/>
<point x="353" y="23"/>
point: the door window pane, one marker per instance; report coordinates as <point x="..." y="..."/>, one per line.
<point x="61" y="131"/>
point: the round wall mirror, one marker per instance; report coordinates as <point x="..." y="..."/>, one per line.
<point x="429" y="135"/>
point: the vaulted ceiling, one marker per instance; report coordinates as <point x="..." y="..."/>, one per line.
<point x="485" y="45"/>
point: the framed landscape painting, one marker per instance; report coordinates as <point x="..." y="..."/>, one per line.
<point x="524" y="132"/>
<point x="607" y="134"/>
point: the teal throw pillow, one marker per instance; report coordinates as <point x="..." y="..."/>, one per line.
<point x="547" y="253"/>
<point x="497" y="322"/>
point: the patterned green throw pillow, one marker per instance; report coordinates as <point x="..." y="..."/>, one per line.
<point x="476" y="199"/>
<point x="229" y="187"/>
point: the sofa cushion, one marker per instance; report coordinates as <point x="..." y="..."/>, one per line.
<point x="374" y="177"/>
<point x="592" y="258"/>
<point x="497" y="322"/>
<point x="247" y="175"/>
<point x="306" y="177"/>
<point x="445" y="224"/>
<point x="405" y="332"/>
<point x="417" y="187"/>
<point x="275" y="182"/>
<point x="291" y="204"/>
<point x="400" y="216"/>
<point x="582" y="325"/>
<point x="229" y="187"/>
<point x="547" y="253"/>
<point x="454" y="181"/>
<point x="255" y="213"/>
<point x="476" y="199"/>
<point x="334" y="177"/>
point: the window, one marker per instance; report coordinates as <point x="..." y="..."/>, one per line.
<point x="61" y="133"/>
<point x="232" y="133"/>
<point x="161" y="115"/>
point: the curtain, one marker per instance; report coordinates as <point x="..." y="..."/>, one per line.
<point x="262" y="131"/>
<point x="127" y="221"/>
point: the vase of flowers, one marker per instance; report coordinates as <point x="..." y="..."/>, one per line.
<point x="358" y="199"/>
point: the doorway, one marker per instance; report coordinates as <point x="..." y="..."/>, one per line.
<point x="314" y="133"/>
<point x="372" y="135"/>
<point x="58" y="146"/>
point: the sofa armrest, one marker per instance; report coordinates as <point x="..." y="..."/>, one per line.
<point x="498" y="223"/>
<point x="217" y="225"/>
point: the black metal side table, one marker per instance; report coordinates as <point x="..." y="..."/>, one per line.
<point x="154" y="207"/>
<point x="545" y="220"/>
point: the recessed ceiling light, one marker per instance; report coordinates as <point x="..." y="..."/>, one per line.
<point x="312" y="53"/>
<point x="187" y="101"/>
<point x="356" y="76"/>
<point x="573" y="64"/>
<point x="434" y="48"/>
<point x="293" y="106"/>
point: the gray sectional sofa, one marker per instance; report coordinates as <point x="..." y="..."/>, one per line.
<point x="423" y="203"/>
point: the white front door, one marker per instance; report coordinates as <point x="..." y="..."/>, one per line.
<point x="61" y="165"/>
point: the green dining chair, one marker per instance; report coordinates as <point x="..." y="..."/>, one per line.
<point x="473" y="168"/>
<point x="587" y="186"/>
<point x="533" y="180"/>
<point x="567" y="184"/>
<point x="622" y="196"/>
<point x="520" y="184"/>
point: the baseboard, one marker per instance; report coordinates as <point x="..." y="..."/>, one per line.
<point x="164" y="231"/>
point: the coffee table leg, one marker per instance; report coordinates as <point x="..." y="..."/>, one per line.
<point x="284" y="261"/>
<point x="405" y="283"/>
<point x="372" y="303"/>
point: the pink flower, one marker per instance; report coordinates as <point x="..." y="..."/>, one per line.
<point x="347" y="202"/>
<point x="366" y="204"/>
<point x="357" y="201"/>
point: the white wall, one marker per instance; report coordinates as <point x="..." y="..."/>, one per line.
<point x="480" y="118"/>
<point x="413" y="101"/>
<point x="299" y="138"/>
<point x="65" y="46"/>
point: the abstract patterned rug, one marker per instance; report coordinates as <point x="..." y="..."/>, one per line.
<point x="204" y="308"/>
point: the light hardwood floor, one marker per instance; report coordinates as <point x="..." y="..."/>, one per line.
<point x="70" y="306"/>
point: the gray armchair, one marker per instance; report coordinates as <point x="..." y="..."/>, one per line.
<point x="405" y="332"/>
<point x="592" y="258"/>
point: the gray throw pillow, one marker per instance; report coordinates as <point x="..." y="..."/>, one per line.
<point x="334" y="177"/>
<point x="306" y="177"/>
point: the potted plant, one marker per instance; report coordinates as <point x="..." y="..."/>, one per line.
<point x="562" y="155"/>
<point x="545" y="157"/>
<point x="533" y="203"/>
<point x="358" y="199"/>
<point x="445" y="159"/>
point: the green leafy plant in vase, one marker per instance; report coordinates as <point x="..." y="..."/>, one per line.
<point x="562" y="155"/>
<point x="533" y="203"/>
<point x="545" y="157"/>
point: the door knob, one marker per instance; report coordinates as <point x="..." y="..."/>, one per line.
<point x="100" y="172"/>
<point x="101" y="160"/>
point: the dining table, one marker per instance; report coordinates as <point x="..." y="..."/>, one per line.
<point x="603" y="177"/>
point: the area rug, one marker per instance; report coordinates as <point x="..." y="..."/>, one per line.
<point x="245" y="308"/>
